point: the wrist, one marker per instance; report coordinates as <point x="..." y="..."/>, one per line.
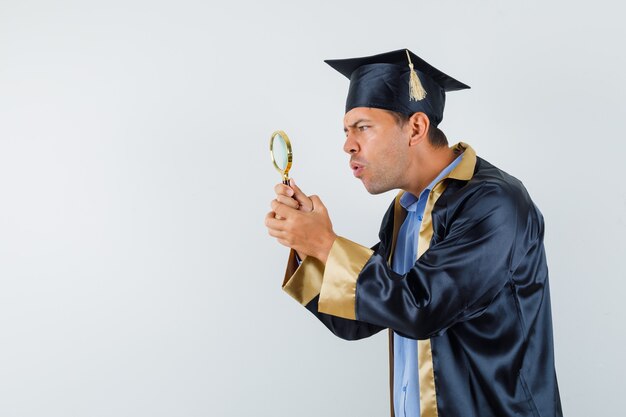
<point x="326" y="247"/>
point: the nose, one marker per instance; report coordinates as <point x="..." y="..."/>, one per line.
<point x="350" y="146"/>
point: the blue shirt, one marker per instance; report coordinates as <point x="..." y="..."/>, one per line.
<point x="406" y="396"/>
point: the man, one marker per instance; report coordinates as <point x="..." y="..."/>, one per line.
<point x="459" y="275"/>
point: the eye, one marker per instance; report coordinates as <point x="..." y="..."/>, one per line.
<point x="363" y="128"/>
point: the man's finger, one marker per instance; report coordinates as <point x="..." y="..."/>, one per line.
<point x="282" y="189"/>
<point x="288" y="201"/>
<point x="271" y="222"/>
<point x="282" y="210"/>
<point x="275" y="233"/>
<point x="284" y="242"/>
<point x="317" y="203"/>
<point x="303" y="200"/>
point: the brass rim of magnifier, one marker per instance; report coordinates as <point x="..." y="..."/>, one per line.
<point x="285" y="171"/>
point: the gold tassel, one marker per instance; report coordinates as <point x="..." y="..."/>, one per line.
<point x="416" y="90"/>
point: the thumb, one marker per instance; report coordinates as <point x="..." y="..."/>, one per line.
<point x="317" y="203"/>
<point x="301" y="198"/>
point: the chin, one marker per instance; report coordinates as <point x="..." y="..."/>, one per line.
<point x="374" y="189"/>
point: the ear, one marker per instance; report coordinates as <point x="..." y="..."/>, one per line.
<point x="419" y="124"/>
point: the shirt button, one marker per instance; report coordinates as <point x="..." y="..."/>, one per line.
<point x="419" y="218"/>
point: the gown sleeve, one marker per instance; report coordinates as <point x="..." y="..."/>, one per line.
<point x="303" y="281"/>
<point x="466" y="265"/>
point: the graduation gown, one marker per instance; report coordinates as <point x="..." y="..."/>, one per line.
<point x="477" y="299"/>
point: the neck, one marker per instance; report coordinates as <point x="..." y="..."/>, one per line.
<point x="426" y="166"/>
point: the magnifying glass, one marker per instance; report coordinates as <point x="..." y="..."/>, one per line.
<point x="282" y="156"/>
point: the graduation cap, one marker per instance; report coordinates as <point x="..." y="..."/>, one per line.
<point x="399" y="81"/>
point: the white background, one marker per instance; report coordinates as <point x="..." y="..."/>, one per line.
<point x="136" y="276"/>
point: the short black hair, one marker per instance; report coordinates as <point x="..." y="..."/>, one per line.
<point x="436" y="137"/>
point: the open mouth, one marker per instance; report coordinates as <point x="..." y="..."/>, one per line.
<point x="357" y="169"/>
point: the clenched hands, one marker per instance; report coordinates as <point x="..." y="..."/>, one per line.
<point x="300" y="222"/>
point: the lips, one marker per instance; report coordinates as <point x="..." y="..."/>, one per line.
<point x="357" y="168"/>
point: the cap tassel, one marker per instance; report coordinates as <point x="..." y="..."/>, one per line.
<point x="416" y="90"/>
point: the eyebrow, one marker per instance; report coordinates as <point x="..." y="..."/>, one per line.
<point x="345" y="129"/>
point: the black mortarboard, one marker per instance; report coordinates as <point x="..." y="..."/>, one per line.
<point x="399" y="81"/>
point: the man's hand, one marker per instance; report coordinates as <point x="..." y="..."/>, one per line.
<point x="300" y="222"/>
<point x="292" y="196"/>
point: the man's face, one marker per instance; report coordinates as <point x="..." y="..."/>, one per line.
<point x="378" y="148"/>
